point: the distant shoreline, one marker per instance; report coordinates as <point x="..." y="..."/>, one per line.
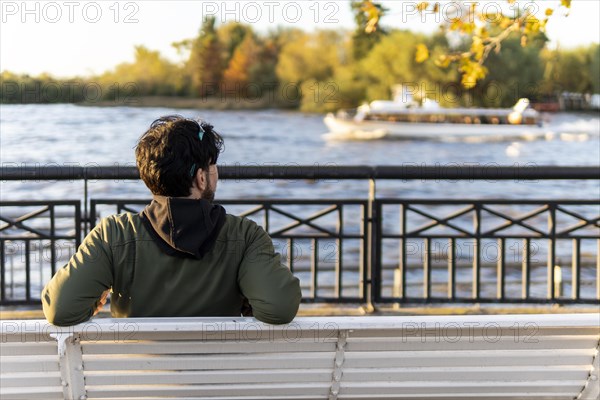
<point x="213" y="103"/>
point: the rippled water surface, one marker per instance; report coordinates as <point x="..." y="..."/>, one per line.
<point x="73" y="135"/>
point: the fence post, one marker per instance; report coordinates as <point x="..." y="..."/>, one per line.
<point x="372" y="273"/>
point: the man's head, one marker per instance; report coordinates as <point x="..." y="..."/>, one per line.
<point x="177" y="157"/>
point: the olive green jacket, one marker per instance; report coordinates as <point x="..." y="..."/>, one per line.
<point x="124" y="254"/>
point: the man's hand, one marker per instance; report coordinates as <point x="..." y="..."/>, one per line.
<point x="100" y="303"/>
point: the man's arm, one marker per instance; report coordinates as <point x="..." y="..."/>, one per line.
<point x="73" y="294"/>
<point x="272" y="290"/>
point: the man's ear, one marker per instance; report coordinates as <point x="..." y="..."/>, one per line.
<point x="200" y="180"/>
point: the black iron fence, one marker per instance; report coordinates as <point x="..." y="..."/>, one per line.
<point x="356" y="250"/>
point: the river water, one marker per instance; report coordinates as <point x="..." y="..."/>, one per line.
<point x="73" y="135"/>
<point x="39" y="135"/>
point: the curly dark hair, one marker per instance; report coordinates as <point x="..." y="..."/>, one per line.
<point x="171" y="152"/>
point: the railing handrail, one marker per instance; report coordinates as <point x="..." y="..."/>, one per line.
<point x="408" y="171"/>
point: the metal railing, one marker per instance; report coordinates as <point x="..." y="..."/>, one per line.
<point x="358" y="250"/>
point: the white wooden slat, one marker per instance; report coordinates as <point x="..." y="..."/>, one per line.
<point x="196" y="347"/>
<point x="278" y="397"/>
<point x="212" y="362"/>
<point x="27" y="393"/>
<point x="436" y="388"/>
<point x="452" y="359"/>
<point x="460" y="374"/>
<point x="535" y="332"/>
<point x="208" y="377"/>
<point x="32" y="379"/>
<point x="201" y="333"/>
<point x="29" y="364"/>
<point x="28" y="349"/>
<point x="541" y="395"/>
<point x="375" y="323"/>
<point x="212" y="390"/>
<point x="468" y="342"/>
<point x="362" y="323"/>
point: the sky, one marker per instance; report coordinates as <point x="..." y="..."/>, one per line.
<point x="83" y="38"/>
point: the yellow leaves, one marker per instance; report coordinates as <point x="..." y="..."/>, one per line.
<point x="456" y="24"/>
<point x="372" y="25"/>
<point x="443" y="61"/>
<point x="505" y="23"/>
<point x="422" y="53"/>
<point x="549" y="12"/>
<point x="373" y="15"/>
<point x="471" y="72"/>
<point x="468" y="27"/>
<point x="422" y="6"/>
<point x="565" y="3"/>
<point x="477" y="48"/>
<point x="482" y="32"/>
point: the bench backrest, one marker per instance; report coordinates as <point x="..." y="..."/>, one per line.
<point x="479" y="357"/>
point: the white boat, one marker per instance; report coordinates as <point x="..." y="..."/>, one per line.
<point x="402" y="118"/>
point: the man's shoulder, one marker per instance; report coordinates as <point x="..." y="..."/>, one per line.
<point x="236" y="222"/>
<point x="122" y="227"/>
<point x="123" y="220"/>
<point x="240" y="227"/>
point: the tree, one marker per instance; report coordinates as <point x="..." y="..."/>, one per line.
<point x="392" y="62"/>
<point x="149" y="74"/>
<point x="205" y="64"/>
<point x="516" y="72"/>
<point x="238" y="76"/>
<point x="308" y="63"/>
<point x="231" y="35"/>
<point x="476" y="25"/>
<point x="584" y="60"/>
<point x="362" y="40"/>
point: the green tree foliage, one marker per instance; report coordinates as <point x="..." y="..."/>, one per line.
<point x="362" y="40"/>
<point x="516" y="72"/>
<point x="583" y="61"/>
<point x="485" y="31"/>
<point x="231" y="35"/>
<point x="44" y="89"/>
<point x="595" y="67"/>
<point x="205" y="65"/>
<point x="150" y="74"/>
<point x="310" y="60"/>
<point x="239" y="75"/>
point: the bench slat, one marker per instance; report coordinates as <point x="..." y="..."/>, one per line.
<point x="280" y="390"/>
<point x="29" y="349"/>
<point x="471" y="343"/>
<point x="212" y="362"/>
<point x="206" y="377"/>
<point x="196" y="347"/>
<point x="29" y="364"/>
<point x="452" y="359"/>
<point x="459" y="374"/>
<point x="27" y="393"/>
<point x="30" y="379"/>
<point x="541" y="395"/>
<point x="441" y="387"/>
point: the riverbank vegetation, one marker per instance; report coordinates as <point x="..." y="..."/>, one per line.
<point x="233" y="66"/>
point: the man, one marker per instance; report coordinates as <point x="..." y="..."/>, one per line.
<point x="182" y="255"/>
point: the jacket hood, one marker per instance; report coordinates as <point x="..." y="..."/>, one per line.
<point x="183" y="227"/>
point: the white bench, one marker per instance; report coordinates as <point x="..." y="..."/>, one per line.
<point x="434" y="357"/>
